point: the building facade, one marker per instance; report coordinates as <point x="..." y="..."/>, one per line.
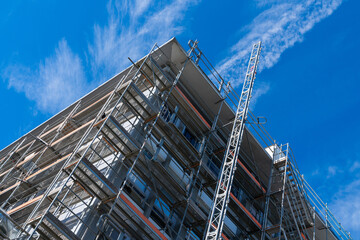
<point x="139" y="158"/>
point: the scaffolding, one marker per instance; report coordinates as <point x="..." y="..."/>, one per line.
<point x="223" y="188"/>
<point x="140" y="157"/>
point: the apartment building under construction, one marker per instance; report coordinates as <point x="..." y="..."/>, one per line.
<point x="140" y="157"/>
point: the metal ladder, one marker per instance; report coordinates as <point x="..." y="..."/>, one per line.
<point x="223" y="188"/>
<point x="289" y="204"/>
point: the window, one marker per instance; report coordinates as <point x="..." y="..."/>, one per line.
<point x="166" y="113"/>
<point x="179" y="171"/>
<point x="189" y="136"/>
<point x="212" y="167"/>
<point x="187" y="133"/>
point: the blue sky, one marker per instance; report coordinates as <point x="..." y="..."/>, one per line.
<point x="53" y="52"/>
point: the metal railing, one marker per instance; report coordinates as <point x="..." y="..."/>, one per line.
<point x="266" y="140"/>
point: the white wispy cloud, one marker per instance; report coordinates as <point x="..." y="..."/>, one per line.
<point x="131" y="32"/>
<point x="341" y="184"/>
<point x="355" y="166"/>
<point x="63" y="77"/>
<point x="260" y="89"/>
<point x="55" y="83"/>
<point x="115" y="41"/>
<point x="332" y="171"/>
<point x="279" y="28"/>
<point x="346" y="206"/>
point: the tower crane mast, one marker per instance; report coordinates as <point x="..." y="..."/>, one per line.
<point x="223" y="188"/>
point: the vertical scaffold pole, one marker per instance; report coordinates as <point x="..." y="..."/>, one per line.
<point x="263" y="230"/>
<point x="195" y="177"/>
<point x="326" y="218"/>
<point x="314" y="229"/>
<point x="283" y="189"/>
<point x="223" y="188"/>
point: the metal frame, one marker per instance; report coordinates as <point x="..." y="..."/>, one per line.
<point x="64" y="190"/>
<point x="218" y="211"/>
<point x="118" y="164"/>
